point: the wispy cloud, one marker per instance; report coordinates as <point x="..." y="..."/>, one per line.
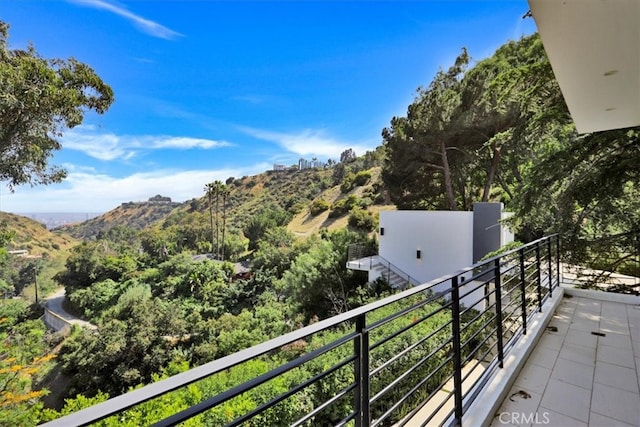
<point x="83" y="191"/>
<point x="309" y="142"/>
<point x="109" y="146"/>
<point x="145" y="25"/>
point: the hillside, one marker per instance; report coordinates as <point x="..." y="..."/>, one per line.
<point x="292" y="191"/>
<point x="34" y="237"/>
<point x="138" y="215"/>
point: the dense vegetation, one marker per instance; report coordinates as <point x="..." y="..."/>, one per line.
<point x="497" y="131"/>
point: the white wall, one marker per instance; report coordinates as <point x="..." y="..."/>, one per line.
<point x="507" y="235"/>
<point x="443" y="237"/>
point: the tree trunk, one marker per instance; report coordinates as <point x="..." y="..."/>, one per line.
<point x="211" y="222"/>
<point x="446" y="172"/>
<point x="491" y="173"/>
<point x="224" y="220"/>
<point x="217" y="225"/>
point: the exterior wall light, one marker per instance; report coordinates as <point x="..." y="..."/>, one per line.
<point x="418" y="254"/>
<point x="382" y="231"/>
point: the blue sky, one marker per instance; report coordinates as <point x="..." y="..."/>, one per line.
<point x="206" y="90"/>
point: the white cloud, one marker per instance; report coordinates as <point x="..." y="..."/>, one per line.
<point x="109" y="146"/>
<point x="145" y="25"/>
<point x="90" y="192"/>
<point x="309" y="142"/>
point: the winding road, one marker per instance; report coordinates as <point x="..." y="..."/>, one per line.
<point x="54" y="303"/>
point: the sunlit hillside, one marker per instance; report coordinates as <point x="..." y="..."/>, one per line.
<point x="34" y="237"/>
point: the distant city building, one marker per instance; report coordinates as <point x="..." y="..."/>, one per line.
<point x="310" y="164"/>
<point x="277" y="167"/>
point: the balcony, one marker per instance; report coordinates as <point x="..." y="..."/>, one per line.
<point x="419" y="357"/>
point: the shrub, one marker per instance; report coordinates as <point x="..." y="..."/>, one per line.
<point x="362" y="177"/>
<point x="348" y="182"/>
<point x="318" y="206"/>
<point x="364" y="220"/>
<point x="345" y="205"/>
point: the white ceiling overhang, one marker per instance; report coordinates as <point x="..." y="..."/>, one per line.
<point x="594" y="49"/>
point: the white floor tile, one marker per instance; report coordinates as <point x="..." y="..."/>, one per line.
<point x="597" y="420"/>
<point x="544" y="357"/>
<point x="552" y="418"/>
<point x="567" y="399"/>
<point x="616" y="356"/>
<point x="534" y="378"/>
<point x="582" y="338"/>
<point x="616" y="340"/>
<point x="519" y="402"/>
<point x="574" y="373"/>
<point x="616" y="376"/>
<point x="615" y="403"/>
<point x="578" y="353"/>
<point x="551" y="341"/>
<point x="614" y="327"/>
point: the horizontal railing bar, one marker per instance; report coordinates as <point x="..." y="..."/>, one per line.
<point x="408" y="349"/>
<point x="325" y="405"/>
<point x="345" y="420"/>
<point x="480" y="330"/>
<point x="241" y="388"/>
<point x="473" y="289"/>
<point x="404" y="311"/>
<point x="413" y="389"/>
<point x="407" y="372"/>
<point x="473" y="352"/>
<point x="477" y="316"/>
<point x="404" y="329"/>
<point x="293" y="391"/>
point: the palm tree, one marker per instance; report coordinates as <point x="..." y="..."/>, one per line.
<point x="225" y="194"/>
<point x="217" y="188"/>
<point x="210" y="190"/>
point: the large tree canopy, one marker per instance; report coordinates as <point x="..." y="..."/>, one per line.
<point x="39" y="99"/>
<point x="468" y="135"/>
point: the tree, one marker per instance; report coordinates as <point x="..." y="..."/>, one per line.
<point x="347" y="156"/>
<point x="585" y="187"/>
<point x="471" y="134"/>
<point x="419" y="145"/>
<point x="219" y="192"/>
<point x="225" y="192"/>
<point x="39" y="99"/>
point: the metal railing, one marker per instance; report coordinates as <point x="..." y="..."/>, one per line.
<point x="423" y="353"/>
<point x="363" y="256"/>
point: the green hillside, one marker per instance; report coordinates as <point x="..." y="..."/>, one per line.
<point x="291" y="192"/>
<point x="34" y="237"/>
<point x="136" y="215"/>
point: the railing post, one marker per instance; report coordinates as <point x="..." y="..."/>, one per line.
<point x="558" y="259"/>
<point x="361" y="395"/>
<point x="457" y="356"/>
<point x="523" y="290"/>
<point x="550" y="268"/>
<point x="498" y="291"/>
<point x="539" y="277"/>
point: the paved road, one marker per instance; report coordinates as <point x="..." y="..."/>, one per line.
<point x="55" y="304"/>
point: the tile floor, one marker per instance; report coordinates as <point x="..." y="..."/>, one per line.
<point x="577" y="378"/>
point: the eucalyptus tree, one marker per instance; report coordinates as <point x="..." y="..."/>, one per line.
<point x="473" y="129"/>
<point x="418" y="146"/>
<point x="39" y="99"/>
